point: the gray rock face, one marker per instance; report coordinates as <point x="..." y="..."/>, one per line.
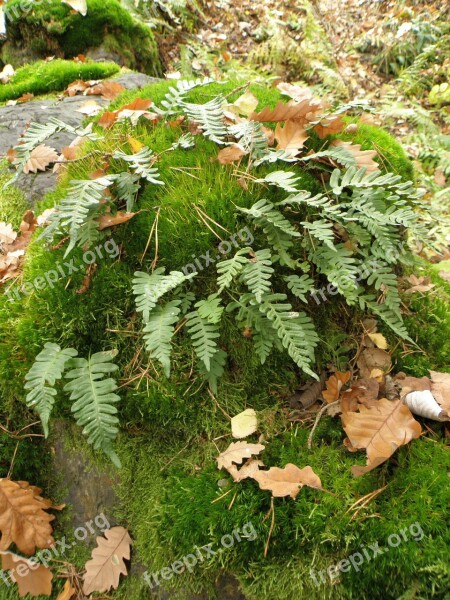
<point x="14" y="119"/>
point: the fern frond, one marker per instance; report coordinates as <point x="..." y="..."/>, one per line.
<point x="210" y="309"/>
<point x="285" y="180"/>
<point x="40" y="379"/>
<point x="273" y="156"/>
<point x="336" y="153"/>
<point x="322" y="231"/>
<point x="257" y="273"/>
<point x="340" y="267"/>
<point x="251" y="137"/>
<point x="141" y="163"/>
<point x="94" y="400"/>
<point x="159" y="330"/>
<point x="203" y="335"/>
<point x="148" y="289"/>
<point x="216" y="369"/>
<point x="127" y="187"/>
<point x="300" y="285"/>
<point x="228" y="270"/>
<point x="186" y="141"/>
<point x="177" y="94"/>
<point x="210" y="117"/>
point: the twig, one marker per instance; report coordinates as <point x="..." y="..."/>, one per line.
<point x="272" y="525"/>
<point x="155" y="224"/>
<point x="319" y="415"/>
<point x="238" y="89"/>
<point x="218" y="405"/>
<point x="222" y="496"/>
<point x="11" y="466"/>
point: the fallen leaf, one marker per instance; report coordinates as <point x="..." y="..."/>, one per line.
<point x="78" y="5"/>
<point x="419" y="284"/>
<point x="107" y="89"/>
<point x="135" y="144"/>
<point x="40" y="158"/>
<point x="236" y="453"/>
<point x="291" y="137"/>
<point x="303" y="112"/>
<point x="244" y="424"/>
<point x="287" y="481"/>
<point x="108" y="119"/>
<point x="379" y="340"/>
<point x="372" y="359"/>
<point x="36" y="579"/>
<point x="89" y="108"/>
<point x="107" y="563"/>
<point x="230" y="154"/>
<point x="6" y="73"/>
<point x="440" y="388"/>
<point x="334" y="386"/>
<point x="445" y="275"/>
<point x="329" y="126"/>
<point x="362" y="391"/>
<point x="295" y="92"/>
<point x="245" y="104"/>
<point x="7" y="233"/>
<point x="108" y="220"/>
<point x="380" y="429"/>
<point x="364" y="158"/>
<point x="67" y="592"/>
<point x="311" y="392"/>
<point x="246" y="471"/>
<point x="77" y="87"/>
<point x="23" y="520"/>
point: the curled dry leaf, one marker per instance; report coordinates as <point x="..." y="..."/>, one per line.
<point x="67" y="592"/>
<point x="295" y="92"/>
<point x="23" y="520"/>
<point x="373" y="359"/>
<point x="244" y="424"/>
<point x="90" y="108"/>
<point x="380" y="429"/>
<point x="291" y="137"/>
<point x="36" y="580"/>
<point x="334" y="386"/>
<point x="287" y="481"/>
<point x="364" y="158"/>
<point x="108" y="220"/>
<point x="310" y="393"/>
<point x="329" y="126"/>
<point x="230" y="154"/>
<point x="40" y="158"/>
<point x="236" y="453"/>
<point x="246" y="471"/>
<point x="107" y="563"/>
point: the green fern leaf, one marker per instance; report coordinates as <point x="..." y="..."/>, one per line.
<point x="300" y="286"/>
<point x="94" y="400"/>
<point x="228" y="270"/>
<point x="204" y="336"/>
<point x="216" y="369"/>
<point x="159" y="330"/>
<point x="210" y="117"/>
<point x="257" y="273"/>
<point x="40" y="379"/>
<point x="177" y="94"/>
<point x="210" y="310"/>
<point x="142" y="164"/>
<point x="127" y="188"/>
<point x="286" y="180"/>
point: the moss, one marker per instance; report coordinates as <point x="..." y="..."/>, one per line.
<point x="68" y="33"/>
<point x="13" y="203"/>
<point x="44" y="77"/>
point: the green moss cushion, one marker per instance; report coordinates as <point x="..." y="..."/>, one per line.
<point x="54" y="28"/>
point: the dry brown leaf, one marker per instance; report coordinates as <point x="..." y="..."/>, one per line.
<point x="90" y="108"/>
<point x="11" y="255"/>
<point x="107" y="89"/>
<point x="107" y="563"/>
<point x="77" y="5"/>
<point x="236" y="453"/>
<point x="36" y="579"/>
<point x="287" y="481"/>
<point x="291" y="137"/>
<point x="380" y="429"/>
<point x="40" y="158"/>
<point x="230" y="154"/>
<point x="108" y="220"/>
<point x="329" y="126"/>
<point x="77" y="87"/>
<point x="246" y="471"/>
<point x="23" y="520"/>
<point x="310" y="393"/>
<point x="295" y="92"/>
<point x="334" y="386"/>
<point x="364" y="158"/>
<point x="303" y="112"/>
<point x="7" y="234"/>
<point x="372" y="359"/>
<point x="419" y="284"/>
<point x="440" y="388"/>
<point x="67" y="592"/>
<point x="362" y="391"/>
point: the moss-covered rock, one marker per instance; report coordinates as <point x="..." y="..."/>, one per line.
<point x="53" y="28"/>
<point x="173" y="496"/>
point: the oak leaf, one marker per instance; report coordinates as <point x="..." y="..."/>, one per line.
<point x="246" y="471"/>
<point x="236" y="453"/>
<point x="362" y="391"/>
<point x="31" y="577"/>
<point x="23" y="520"/>
<point x="419" y="284"/>
<point x="329" y="126"/>
<point x="244" y="424"/>
<point x="295" y="92"/>
<point x="440" y="388"/>
<point x="231" y="154"/>
<point x="380" y="429"/>
<point x="364" y="158"/>
<point x="107" y="563"/>
<point x="373" y="360"/>
<point x="245" y="104"/>
<point x="107" y="89"/>
<point x="40" y="158"/>
<point x="334" y="386"/>
<point x="77" y="87"/>
<point x="108" y="119"/>
<point x="291" y="137"/>
<point x="303" y="112"/>
<point x="89" y="108"/>
<point x="108" y="220"/>
<point x="287" y="481"/>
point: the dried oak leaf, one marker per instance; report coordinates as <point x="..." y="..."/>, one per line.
<point x="303" y="112"/>
<point x="362" y="391"/>
<point x="236" y="453"/>
<point x="440" y="388"/>
<point x="291" y="137"/>
<point x="287" y="481"/>
<point x="77" y="87"/>
<point x="329" y="126"/>
<point x="107" y="563"/>
<point x="364" y="158"/>
<point x="107" y="89"/>
<point x="36" y="579"/>
<point x="108" y="119"/>
<point x="89" y="108"/>
<point x="67" y="592"/>
<point x="334" y="386"/>
<point x="373" y="359"/>
<point x="295" y="92"/>
<point x="246" y="471"/>
<point x="7" y="233"/>
<point x="310" y="393"/>
<point x="23" y="520"/>
<point x="419" y="284"/>
<point x="109" y="220"/>
<point x="40" y="158"/>
<point x="231" y="153"/>
<point x="380" y="429"/>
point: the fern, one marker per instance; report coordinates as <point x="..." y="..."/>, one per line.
<point x="295" y="330"/>
<point x="216" y="369"/>
<point x="186" y="141"/>
<point x="336" y="153"/>
<point x="285" y="180"/>
<point x="251" y="137"/>
<point x="159" y="330"/>
<point x="322" y="231"/>
<point x="300" y="285"/>
<point x="203" y="335"/>
<point x="210" y="310"/>
<point x="82" y="201"/>
<point x="210" y="117"/>
<point x="228" y="270"/>
<point x="40" y="379"/>
<point x="177" y="94"/>
<point x="94" y="400"/>
<point x="141" y="163"/>
<point x="127" y="188"/>
<point x="257" y="273"/>
<point x="148" y="289"/>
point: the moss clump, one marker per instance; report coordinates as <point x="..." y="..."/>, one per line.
<point x="44" y="77"/>
<point x="13" y="203"/>
<point x="53" y="28"/>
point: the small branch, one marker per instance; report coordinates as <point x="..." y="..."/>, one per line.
<point x="272" y="525"/>
<point x="319" y="415"/>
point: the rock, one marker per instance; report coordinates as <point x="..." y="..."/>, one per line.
<point x="14" y="119"/>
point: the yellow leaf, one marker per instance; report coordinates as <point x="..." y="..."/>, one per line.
<point x="244" y="424"/>
<point x="246" y="104"/>
<point x="78" y="5"/>
<point x="379" y="340"/>
<point x="135" y="144"/>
